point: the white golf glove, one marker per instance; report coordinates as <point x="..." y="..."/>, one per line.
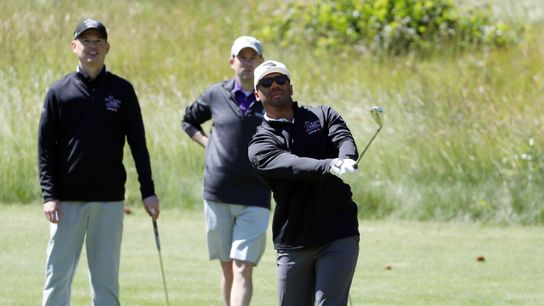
<point x="345" y="169"/>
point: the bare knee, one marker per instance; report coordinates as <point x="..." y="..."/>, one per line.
<point x="243" y="269"/>
<point x="227" y="269"/>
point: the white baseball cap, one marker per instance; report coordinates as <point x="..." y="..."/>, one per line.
<point x="246" y="42"/>
<point x="267" y="68"/>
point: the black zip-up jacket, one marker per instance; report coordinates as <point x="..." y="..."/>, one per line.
<point x="81" y="136"/>
<point x="228" y="175"/>
<point x="313" y="207"/>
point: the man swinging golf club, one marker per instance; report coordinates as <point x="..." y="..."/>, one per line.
<point x="306" y="155"/>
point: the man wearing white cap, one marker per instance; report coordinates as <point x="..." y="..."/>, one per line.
<point x="236" y="202"/>
<point x="307" y="157"/>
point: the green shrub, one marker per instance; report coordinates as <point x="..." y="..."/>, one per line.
<point x="384" y="26"/>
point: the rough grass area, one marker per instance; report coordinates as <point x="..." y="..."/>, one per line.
<point x="463" y="131"/>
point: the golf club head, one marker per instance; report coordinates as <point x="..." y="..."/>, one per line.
<point x="377" y="114"/>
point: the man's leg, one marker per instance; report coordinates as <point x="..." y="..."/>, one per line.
<point x="226" y="281"/>
<point x="334" y="271"/>
<point x="248" y="245"/>
<point x="296" y="277"/>
<point x="103" y="245"/>
<point x="219" y="223"/>
<point x="242" y="284"/>
<point x="63" y="251"/>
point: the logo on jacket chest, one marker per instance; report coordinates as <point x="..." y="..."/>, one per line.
<point x="311" y="127"/>
<point x="112" y="104"/>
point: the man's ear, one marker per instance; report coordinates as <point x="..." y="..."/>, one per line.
<point x="257" y="95"/>
<point x="73" y="46"/>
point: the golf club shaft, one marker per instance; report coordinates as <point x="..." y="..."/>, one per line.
<point x="158" y="242"/>
<point x="368" y="145"/>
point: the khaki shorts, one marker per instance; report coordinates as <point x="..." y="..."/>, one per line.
<point x="235" y="231"/>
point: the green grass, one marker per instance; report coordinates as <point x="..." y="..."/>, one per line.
<point x="463" y="131"/>
<point x="430" y="263"/>
<point x="462" y="142"/>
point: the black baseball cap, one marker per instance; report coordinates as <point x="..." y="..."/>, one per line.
<point x="88" y="24"/>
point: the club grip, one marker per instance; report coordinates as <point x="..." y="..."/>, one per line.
<point x="156" y="230"/>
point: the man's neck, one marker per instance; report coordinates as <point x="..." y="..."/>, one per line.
<point x="278" y="114"/>
<point x="247" y="85"/>
<point x="91" y="70"/>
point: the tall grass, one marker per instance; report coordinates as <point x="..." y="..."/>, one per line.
<point x="463" y="133"/>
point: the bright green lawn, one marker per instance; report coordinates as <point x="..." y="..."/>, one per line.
<point x="431" y="263"/>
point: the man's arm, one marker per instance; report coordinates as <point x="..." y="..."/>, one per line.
<point x="201" y="138"/>
<point x="270" y="160"/>
<point x="138" y="147"/>
<point x="340" y="135"/>
<point x="48" y="141"/>
<point x="135" y="132"/>
<point x="344" y="166"/>
<point x="197" y="113"/>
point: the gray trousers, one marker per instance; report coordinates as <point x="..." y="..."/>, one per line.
<point x="100" y="226"/>
<point x="320" y="275"/>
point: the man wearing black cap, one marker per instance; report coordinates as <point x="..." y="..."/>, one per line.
<point x="86" y="117"/>
<point x="236" y="203"/>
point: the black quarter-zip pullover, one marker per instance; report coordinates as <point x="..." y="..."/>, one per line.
<point x="82" y="132"/>
<point x="313" y="207"/>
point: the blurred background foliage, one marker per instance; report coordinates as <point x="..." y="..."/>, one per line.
<point x="386" y="26"/>
<point x="462" y="84"/>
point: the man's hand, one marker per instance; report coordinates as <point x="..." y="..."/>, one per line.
<point x="51" y="210"/>
<point x="345" y="169"/>
<point x="152" y="207"/>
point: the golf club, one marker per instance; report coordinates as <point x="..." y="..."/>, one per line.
<point x="377" y="114"/>
<point x="158" y="242"/>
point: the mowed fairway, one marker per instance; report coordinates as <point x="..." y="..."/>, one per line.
<point x="401" y="263"/>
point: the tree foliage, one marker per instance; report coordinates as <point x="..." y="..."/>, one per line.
<point x="384" y="26"/>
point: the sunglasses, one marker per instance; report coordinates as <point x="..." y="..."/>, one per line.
<point x="279" y="79"/>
